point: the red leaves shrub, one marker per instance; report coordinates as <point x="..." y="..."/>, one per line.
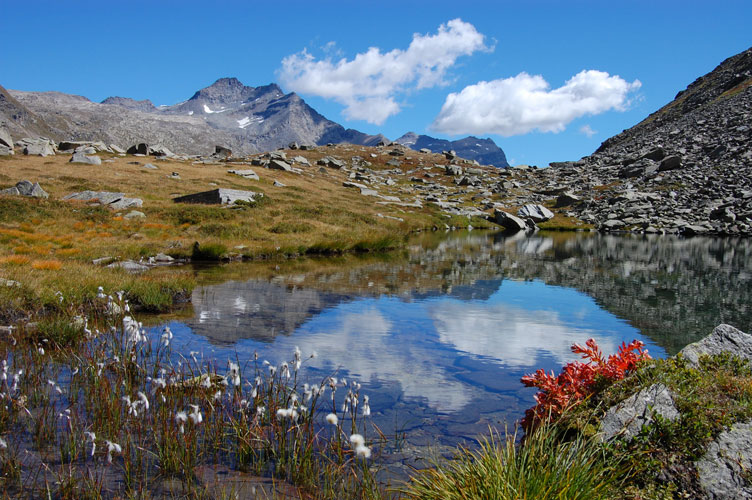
<point x="577" y="379"/>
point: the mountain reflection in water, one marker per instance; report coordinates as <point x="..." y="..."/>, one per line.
<point x="441" y="334"/>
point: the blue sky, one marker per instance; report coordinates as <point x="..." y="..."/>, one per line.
<point x="538" y="103"/>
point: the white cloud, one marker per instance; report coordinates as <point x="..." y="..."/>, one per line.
<point x="515" y="337"/>
<point x="588" y="131"/>
<point x="523" y="103"/>
<point x="368" y="85"/>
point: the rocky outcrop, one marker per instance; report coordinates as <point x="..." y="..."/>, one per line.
<point x="687" y="168"/>
<point x="725" y="338"/>
<point x="626" y="419"/>
<point x="724" y="469"/>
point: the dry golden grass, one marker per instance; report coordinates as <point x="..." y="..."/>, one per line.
<point x="47" y="265"/>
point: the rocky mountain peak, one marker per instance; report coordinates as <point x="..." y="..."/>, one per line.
<point x="484" y="151"/>
<point x="127" y="102"/>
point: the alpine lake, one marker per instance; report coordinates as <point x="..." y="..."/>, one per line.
<point x="439" y="333"/>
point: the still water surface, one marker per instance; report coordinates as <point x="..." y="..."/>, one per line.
<point x="440" y="334"/>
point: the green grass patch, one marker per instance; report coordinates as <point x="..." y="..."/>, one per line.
<point x="544" y="467"/>
<point x="286" y="227"/>
<point x="208" y="252"/>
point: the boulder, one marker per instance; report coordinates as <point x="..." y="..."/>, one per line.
<point x="222" y="152"/>
<point x="725" y="338"/>
<point x="566" y="199"/>
<point x="302" y="160"/>
<point x="248" y="174"/>
<point x="724" y="469"/>
<point x="160" y="150"/>
<point x="453" y="170"/>
<point x="26" y="188"/>
<point x="670" y="163"/>
<point x="5" y="138"/>
<point x="509" y="221"/>
<point x="38" y="147"/>
<point x="219" y="197"/>
<point x="328" y="161"/>
<point x="537" y="213"/>
<point x="138" y="149"/>
<point x="130" y="266"/>
<point x="279" y="165"/>
<point x="117" y="149"/>
<point x="117" y="201"/>
<point x="82" y="158"/>
<point x="626" y="419"/>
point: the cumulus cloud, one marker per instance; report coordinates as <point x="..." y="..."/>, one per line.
<point x="523" y="103"/>
<point x="368" y="85"/>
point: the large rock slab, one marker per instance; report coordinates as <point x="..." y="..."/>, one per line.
<point x="5" y="138"/>
<point x="537" y="213"/>
<point x="82" y="158"/>
<point x="219" y="197"/>
<point x="38" y="147"/>
<point x="725" y="338"/>
<point x="280" y="165"/>
<point x="509" y="221"/>
<point x="116" y="201"/>
<point x="626" y="419"/>
<point x="248" y="174"/>
<point x="724" y="469"/>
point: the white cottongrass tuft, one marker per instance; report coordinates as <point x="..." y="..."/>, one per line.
<point x="181" y="418"/>
<point x="332" y="419"/>
<point x="359" y="445"/>
<point x="112" y="447"/>
<point x="195" y="415"/>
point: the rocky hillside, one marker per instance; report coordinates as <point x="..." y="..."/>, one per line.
<point x="484" y="151"/>
<point x="228" y="113"/>
<point x="687" y="168"/>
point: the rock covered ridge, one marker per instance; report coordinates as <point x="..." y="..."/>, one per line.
<point x="687" y="168"/>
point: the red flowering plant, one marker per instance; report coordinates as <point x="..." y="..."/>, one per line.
<point x="578" y="379"/>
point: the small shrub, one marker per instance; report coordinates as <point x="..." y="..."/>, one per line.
<point x="577" y="380"/>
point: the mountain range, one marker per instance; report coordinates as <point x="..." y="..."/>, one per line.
<point x="226" y="113"/>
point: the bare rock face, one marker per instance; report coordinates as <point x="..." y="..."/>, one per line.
<point x="728" y="460"/>
<point x="627" y="418"/>
<point x="725" y="338"/>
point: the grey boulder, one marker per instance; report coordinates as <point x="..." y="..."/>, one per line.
<point x="26" y="188"/>
<point x="509" y="221"/>
<point x="248" y="174"/>
<point x="537" y="213"/>
<point x="726" y="462"/>
<point x="626" y="419"/>
<point x="280" y="165"/>
<point x="117" y="201"/>
<point x="725" y="338"/>
<point x="80" y="157"/>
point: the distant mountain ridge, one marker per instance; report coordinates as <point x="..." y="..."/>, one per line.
<point x="227" y="113"/>
<point x="484" y="151"/>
